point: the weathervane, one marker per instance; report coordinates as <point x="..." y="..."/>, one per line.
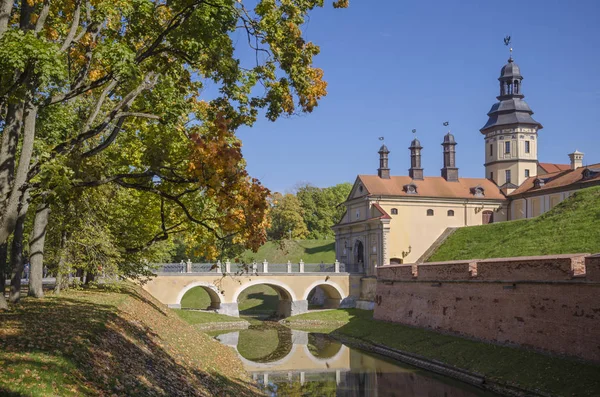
<point x="446" y="124"/>
<point x="381" y="138"/>
<point x="507" y="43"/>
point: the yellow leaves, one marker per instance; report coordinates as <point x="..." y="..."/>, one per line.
<point x="316" y="90"/>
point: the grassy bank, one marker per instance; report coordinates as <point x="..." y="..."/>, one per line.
<point x="310" y="251"/>
<point x="570" y="227"/>
<point x="96" y="342"/>
<point x="533" y="371"/>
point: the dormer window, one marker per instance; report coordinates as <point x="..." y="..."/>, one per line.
<point x="478" y="191"/>
<point x="411" y="188"/>
<point x="360" y="188"/>
<point x="590" y="173"/>
<point x="539" y="182"/>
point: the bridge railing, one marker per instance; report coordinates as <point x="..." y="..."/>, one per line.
<point x="258" y="268"/>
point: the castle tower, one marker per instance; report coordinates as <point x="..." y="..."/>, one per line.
<point x="510" y="133"/>
<point x="383" y="171"/>
<point x="415" y="171"/>
<point x="449" y="172"/>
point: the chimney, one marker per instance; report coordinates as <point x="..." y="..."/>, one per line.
<point x="576" y="159"/>
<point x="383" y="171"/>
<point x="449" y="172"/>
<point x="415" y="171"/>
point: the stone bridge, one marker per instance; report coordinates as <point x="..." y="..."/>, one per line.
<point x="225" y="282"/>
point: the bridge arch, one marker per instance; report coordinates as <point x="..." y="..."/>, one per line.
<point x="216" y="298"/>
<point x="284" y="291"/>
<point x="288" y="302"/>
<point x="333" y="293"/>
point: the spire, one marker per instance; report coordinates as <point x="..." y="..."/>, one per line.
<point x="449" y="172"/>
<point x="384" y="170"/>
<point x="415" y="171"/>
<point x="511" y="107"/>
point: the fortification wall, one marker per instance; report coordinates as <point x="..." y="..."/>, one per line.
<point x="549" y="303"/>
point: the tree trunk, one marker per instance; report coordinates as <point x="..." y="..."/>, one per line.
<point x="16" y="259"/>
<point x="9" y="208"/>
<point x="90" y="277"/>
<point x="3" y="255"/>
<point x="61" y="264"/>
<point x="36" y="250"/>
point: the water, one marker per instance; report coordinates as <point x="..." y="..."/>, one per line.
<point x="287" y="362"/>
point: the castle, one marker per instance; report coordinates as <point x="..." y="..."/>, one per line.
<point x="396" y="219"/>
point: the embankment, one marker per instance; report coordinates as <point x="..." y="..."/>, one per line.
<point x="96" y="342"/>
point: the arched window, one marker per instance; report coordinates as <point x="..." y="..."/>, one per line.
<point x="394" y="211"/>
<point x="450" y="212"/>
<point x="430" y="212"/>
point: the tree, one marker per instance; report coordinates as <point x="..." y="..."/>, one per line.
<point x="321" y="207"/>
<point x="121" y="85"/>
<point x="286" y="218"/>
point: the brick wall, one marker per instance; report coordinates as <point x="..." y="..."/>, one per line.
<point x="549" y="303"/>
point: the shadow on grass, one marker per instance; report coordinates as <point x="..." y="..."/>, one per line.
<point x="269" y="303"/>
<point x="330" y="247"/>
<point x="102" y="350"/>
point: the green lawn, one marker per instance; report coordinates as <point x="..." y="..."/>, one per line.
<point x="257" y="299"/>
<point x="195" y="317"/>
<point x="555" y="376"/>
<point x="570" y="227"/>
<point x="95" y="342"/>
<point x="310" y="251"/>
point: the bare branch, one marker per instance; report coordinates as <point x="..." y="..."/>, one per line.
<point x="74" y="25"/>
<point x="39" y="25"/>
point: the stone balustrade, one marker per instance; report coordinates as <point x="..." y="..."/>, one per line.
<point x="257" y="268"/>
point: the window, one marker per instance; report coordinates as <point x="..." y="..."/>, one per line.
<point x="491" y="149"/>
<point x="527" y="147"/>
<point x="507" y="147"/>
<point x="357" y="214"/>
<point x="526" y="173"/>
<point x="396" y="261"/>
<point x="507" y="175"/>
<point x="450" y="212"/>
<point x="429" y="212"/>
<point x="394" y="211"/>
<point x="492" y="175"/>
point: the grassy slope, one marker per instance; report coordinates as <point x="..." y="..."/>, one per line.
<point x="101" y="343"/>
<point x="556" y="376"/>
<point x="310" y="251"/>
<point x="570" y="227"/>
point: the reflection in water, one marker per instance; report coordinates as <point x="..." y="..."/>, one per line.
<point x="298" y="363"/>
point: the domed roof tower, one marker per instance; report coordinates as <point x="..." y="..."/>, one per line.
<point x="510" y="133"/>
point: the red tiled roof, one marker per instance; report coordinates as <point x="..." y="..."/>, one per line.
<point x="431" y="187"/>
<point x="561" y="179"/>
<point x="551" y="167"/>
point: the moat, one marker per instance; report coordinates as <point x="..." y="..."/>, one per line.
<point x="288" y="362"/>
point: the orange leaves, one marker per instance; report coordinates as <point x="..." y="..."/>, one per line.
<point x="316" y="90"/>
<point x="242" y="201"/>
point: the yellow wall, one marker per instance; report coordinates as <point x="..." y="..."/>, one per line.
<point x="413" y="228"/>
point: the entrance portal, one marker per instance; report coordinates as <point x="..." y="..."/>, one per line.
<point x="359" y="252"/>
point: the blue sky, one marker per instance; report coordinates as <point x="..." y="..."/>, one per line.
<point x="393" y="66"/>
